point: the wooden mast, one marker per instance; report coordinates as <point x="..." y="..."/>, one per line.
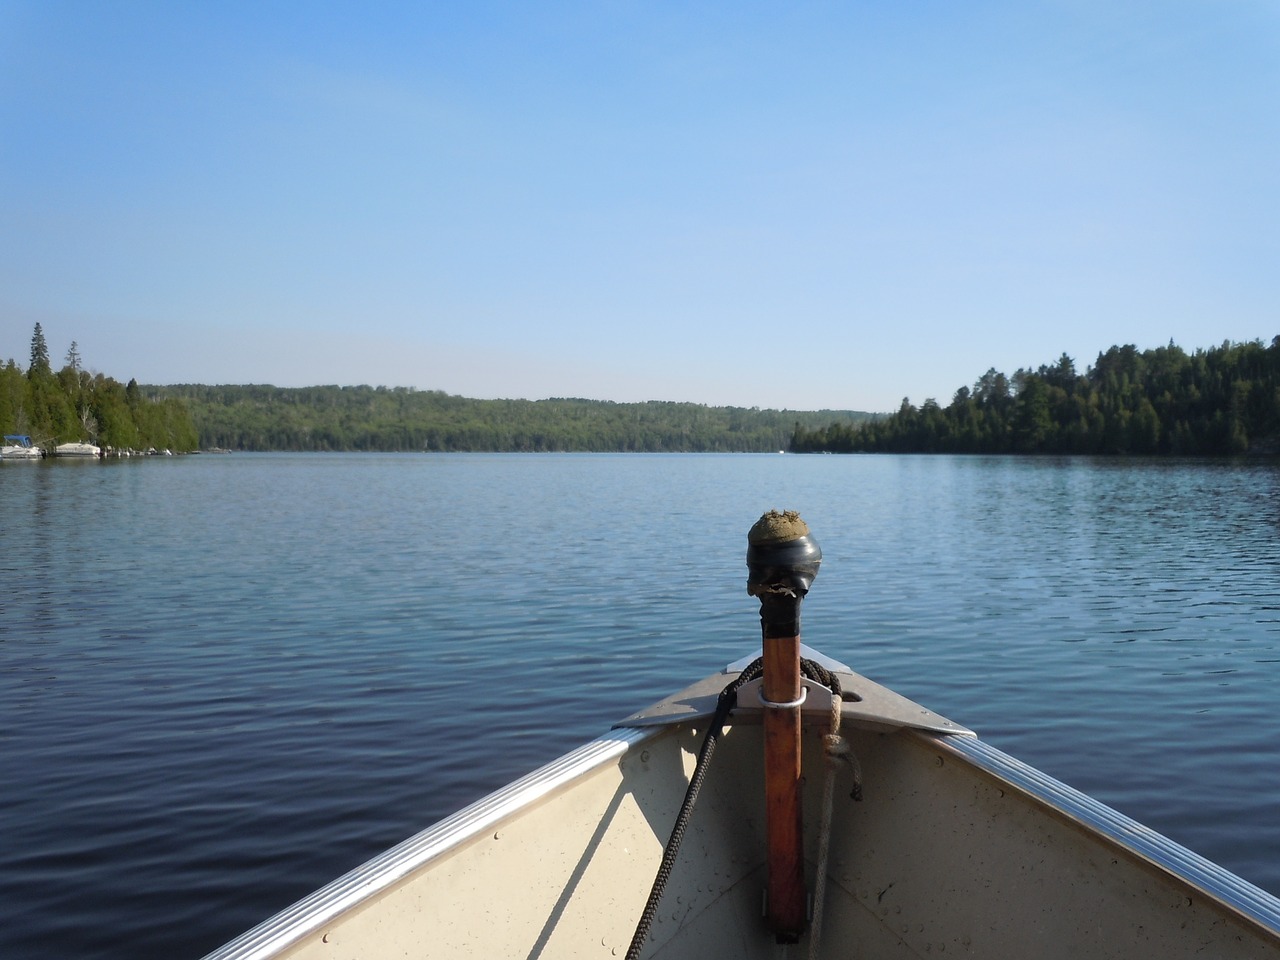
<point x="782" y="561"/>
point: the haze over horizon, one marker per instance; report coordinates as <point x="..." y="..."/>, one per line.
<point x="799" y="206"/>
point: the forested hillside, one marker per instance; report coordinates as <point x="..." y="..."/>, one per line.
<point x="399" y="418"/>
<point x="75" y="405"/>
<point x="1220" y="401"/>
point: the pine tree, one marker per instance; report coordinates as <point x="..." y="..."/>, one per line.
<point x="39" y="355"/>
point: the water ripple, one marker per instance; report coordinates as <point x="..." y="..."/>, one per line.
<point x="226" y="680"/>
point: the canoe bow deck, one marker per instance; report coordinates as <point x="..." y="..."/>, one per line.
<point x="956" y="848"/>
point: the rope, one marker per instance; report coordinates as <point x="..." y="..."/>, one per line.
<point x="829" y="743"/>
<point x="836" y="749"/>
<point x="726" y="702"/>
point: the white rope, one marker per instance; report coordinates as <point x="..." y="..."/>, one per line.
<point x="832" y="743"/>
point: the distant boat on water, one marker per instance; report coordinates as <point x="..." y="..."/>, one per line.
<point x="77" y="450"/>
<point x="19" y="447"/>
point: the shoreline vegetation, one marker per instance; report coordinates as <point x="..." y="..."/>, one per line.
<point x="74" y="405"/>
<point x="364" y="418"/>
<point x="1223" y="401"/>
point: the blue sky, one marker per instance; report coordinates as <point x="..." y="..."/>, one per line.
<point x="799" y="205"/>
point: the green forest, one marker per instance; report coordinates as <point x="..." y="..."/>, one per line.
<point x="1224" y="401"/>
<point x="75" y="405"/>
<point x="1220" y="401"/>
<point x="401" y="418"/>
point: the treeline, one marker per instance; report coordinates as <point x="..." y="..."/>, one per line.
<point x="400" y="418"/>
<point x="1215" y="402"/>
<point x="75" y="405"/>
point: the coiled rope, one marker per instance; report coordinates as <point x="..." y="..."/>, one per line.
<point x="725" y="703"/>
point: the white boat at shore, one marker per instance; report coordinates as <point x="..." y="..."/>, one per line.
<point x="19" y="447"/>
<point x="737" y="794"/>
<point x="77" y="450"/>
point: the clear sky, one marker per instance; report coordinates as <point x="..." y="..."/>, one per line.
<point x="797" y="205"/>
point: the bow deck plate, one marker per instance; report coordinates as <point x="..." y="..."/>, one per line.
<point x="865" y="702"/>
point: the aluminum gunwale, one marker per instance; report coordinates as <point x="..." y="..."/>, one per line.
<point x="384" y="871"/>
<point x="1213" y="881"/>
<point x="390" y="867"/>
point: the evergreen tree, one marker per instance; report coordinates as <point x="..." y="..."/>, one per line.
<point x="39" y="355"/>
<point x="13" y="399"/>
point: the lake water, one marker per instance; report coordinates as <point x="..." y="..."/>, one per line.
<point x="228" y="679"/>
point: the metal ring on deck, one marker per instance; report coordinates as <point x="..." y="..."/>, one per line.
<point x="789" y="705"/>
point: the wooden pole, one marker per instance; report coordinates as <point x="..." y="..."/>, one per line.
<point x="782" y="562"/>
<point x="784" y="820"/>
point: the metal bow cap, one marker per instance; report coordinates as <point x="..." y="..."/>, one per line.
<point x="781" y="556"/>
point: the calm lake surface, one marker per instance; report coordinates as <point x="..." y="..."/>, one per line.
<point x="228" y="679"/>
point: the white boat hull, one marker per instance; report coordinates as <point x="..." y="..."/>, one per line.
<point x="19" y="447"/>
<point x="956" y="847"/>
<point x="82" y="450"/>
